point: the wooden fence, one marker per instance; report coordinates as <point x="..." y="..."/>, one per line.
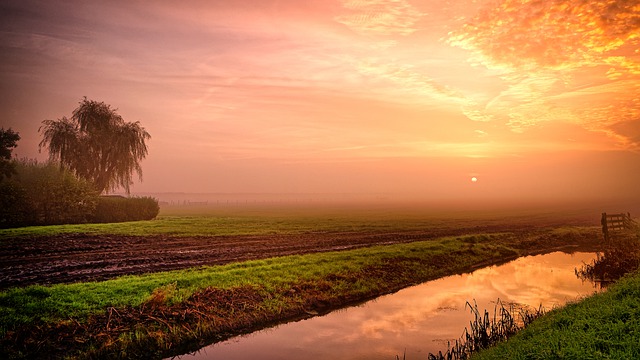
<point x="613" y="224"/>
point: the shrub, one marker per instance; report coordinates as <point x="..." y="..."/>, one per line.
<point x="44" y="194"/>
<point x="119" y="209"/>
<point x="13" y="209"/>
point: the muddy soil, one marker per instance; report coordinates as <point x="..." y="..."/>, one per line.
<point x="81" y="257"/>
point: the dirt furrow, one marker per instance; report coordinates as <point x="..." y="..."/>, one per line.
<point x="86" y="257"/>
<point x="66" y="259"/>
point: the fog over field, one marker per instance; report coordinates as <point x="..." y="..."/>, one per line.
<point x="383" y="208"/>
<point x="398" y="100"/>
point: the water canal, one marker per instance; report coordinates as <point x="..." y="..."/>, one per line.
<point x="416" y="320"/>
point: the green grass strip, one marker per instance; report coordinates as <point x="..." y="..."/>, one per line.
<point x="602" y="326"/>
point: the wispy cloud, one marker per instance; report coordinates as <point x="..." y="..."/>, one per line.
<point x="404" y="81"/>
<point x="380" y="17"/>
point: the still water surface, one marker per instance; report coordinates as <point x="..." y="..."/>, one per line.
<point x="415" y="320"/>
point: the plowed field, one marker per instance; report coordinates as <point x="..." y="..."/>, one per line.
<point x="80" y="257"/>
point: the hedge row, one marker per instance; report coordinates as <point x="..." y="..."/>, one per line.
<point x="118" y="209"/>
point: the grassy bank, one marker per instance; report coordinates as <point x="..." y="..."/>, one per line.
<point x="170" y="312"/>
<point x="603" y="326"/>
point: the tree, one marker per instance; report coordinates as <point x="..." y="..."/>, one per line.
<point x="8" y="141"/>
<point x="97" y="144"/>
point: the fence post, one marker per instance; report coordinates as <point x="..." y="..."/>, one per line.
<point x="605" y="230"/>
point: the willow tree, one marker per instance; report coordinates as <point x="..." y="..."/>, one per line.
<point x="97" y="144"/>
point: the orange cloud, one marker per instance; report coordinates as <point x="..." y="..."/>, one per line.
<point x="561" y="60"/>
<point x="552" y="33"/>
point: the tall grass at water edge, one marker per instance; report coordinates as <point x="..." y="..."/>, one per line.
<point x="485" y="331"/>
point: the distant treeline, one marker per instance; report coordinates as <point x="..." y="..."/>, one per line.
<point x="45" y="194"/>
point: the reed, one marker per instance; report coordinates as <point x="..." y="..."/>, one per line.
<point x="601" y="326"/>
<point x="486" y="330"/>
<point x="620" y="257"/>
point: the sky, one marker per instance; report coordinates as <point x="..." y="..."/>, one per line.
<point x="533" y="98"/>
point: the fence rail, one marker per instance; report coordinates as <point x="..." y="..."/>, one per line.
<point x="613" y="224"/>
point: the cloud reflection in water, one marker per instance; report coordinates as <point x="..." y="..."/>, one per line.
<point x="419" y="319"/>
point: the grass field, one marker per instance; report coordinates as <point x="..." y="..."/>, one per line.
<point x="220" y="223"/>
<point x="258" y="220"/>
<point x="166" y="313"/>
